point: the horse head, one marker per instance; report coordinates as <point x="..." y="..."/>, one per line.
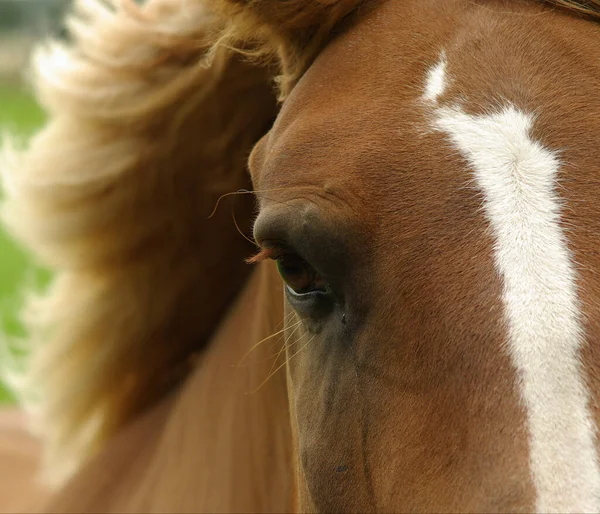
<point x="423" y="174"/>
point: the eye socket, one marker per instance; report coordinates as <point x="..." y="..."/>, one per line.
<point x="298" y="275"/>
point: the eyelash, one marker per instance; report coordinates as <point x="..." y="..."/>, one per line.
<point x="300" y="277"/>
<point x="266" y="253"/>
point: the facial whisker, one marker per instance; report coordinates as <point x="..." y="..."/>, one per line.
<point x="243" y="192"/>
<point x="285" y="319"/>
<point x="265" y="340"/>
<point x="282" y="365"/>
<point x="237" y="227"/>
<point x="283" y="346"/>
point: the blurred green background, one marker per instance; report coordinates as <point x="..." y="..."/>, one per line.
<point x="21" y="116"/>
<point x="23" y="23"/>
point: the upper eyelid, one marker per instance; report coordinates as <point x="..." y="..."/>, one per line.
<point x="278" y="247"/>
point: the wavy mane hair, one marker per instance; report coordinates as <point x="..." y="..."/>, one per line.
<point x="153" y="112"/>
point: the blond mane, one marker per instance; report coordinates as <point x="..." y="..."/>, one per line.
<point x="590" y="8"/>
<point x="147" y="129"/>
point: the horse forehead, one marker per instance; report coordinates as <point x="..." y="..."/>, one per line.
<point x="359" y="101"/>
<point x="341" y="115"/>
<point x="317" y="149"/>
<point x="359" y="112"/>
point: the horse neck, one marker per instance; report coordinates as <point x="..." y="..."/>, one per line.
<point x="222" y="443"/>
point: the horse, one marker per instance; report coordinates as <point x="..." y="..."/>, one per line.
<point x="315" y="256"/>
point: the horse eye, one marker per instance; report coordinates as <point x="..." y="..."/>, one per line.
<point x="300" y="276"/>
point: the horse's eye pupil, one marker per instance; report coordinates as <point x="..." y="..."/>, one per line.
<point x="298" y="274"/>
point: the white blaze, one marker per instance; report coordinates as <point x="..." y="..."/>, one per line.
<point x="436" y="80"/>
<point x="518" y="179"/>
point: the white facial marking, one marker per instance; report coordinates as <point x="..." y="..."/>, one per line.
<point x="435" y="84"/>
<point x="518" y="177"/>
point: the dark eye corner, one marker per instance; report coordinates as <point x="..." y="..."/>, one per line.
<point x="299" y="276"/>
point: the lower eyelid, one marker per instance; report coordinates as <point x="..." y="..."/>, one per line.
<point x="304" y="296"/>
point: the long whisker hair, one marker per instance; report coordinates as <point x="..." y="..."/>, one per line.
<point x="262" y="341"/>
<point x="288" y="360"/>
<point x="240" y="231"/>
<point x="256" y="192"/>
<point x="274" y="357"/>
<point x="284" y="345"/>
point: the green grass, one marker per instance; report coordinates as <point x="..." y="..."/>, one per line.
<point x="21" y="116"/>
